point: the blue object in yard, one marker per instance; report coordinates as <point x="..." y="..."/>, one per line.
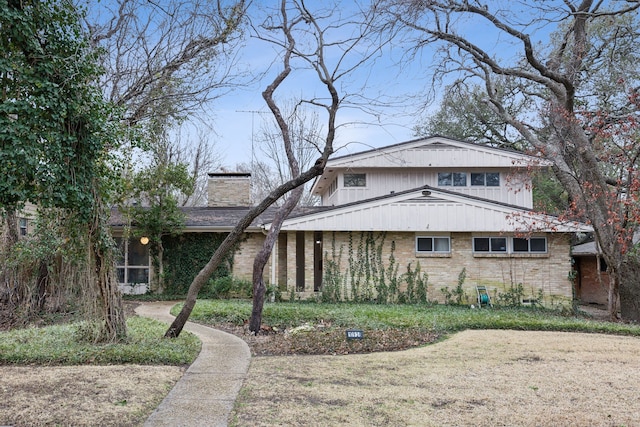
<point x="483" y="297"/>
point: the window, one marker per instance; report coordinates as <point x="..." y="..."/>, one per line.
<point x="333" y="187"/>
<point x="355" y="180"/>
<point x="457" y="179"/>
<point x="433" y="244"/>
<point x="533" y="245"/>
<point x="133" y="261"/>
<point x="23" y="226"/>
<point x="490" y="244"/>
<point x="488" y="179"/>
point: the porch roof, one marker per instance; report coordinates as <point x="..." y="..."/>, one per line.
<point x="212" y="219"/>
<point x="206" y="218"/>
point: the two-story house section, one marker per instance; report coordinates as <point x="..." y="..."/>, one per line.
<point x="456" y="209"/>
<point x="471" y="169"/>
<point x="452" y="210"/>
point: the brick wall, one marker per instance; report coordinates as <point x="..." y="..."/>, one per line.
<point x="591" y="288"/>
<point x="244" y="256"/>
<point x="548" y="272"/>
<point x="229" y="189"/>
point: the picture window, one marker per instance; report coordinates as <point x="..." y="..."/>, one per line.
<point x="485" y="179"/>
<point x="132" y="262"/>
<point x="456" y="179"/>
<point x="355" y="180"/>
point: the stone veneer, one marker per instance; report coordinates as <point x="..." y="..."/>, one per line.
<point x="548" y="272"/>
<point x="229" y="189"/>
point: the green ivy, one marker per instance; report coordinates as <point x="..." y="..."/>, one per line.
<point x="369" y="278"/>
<point x="186" y="254"/>
<point x="332" y="280"/>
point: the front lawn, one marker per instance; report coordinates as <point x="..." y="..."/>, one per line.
<point x="60" y="345"/>
<point x="441" y="319"/>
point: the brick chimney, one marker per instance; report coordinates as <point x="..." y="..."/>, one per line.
<point x="229" y="189"/>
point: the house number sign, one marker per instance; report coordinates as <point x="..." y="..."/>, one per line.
<point x="355" y="334"/>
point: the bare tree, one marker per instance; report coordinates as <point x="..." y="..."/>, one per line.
<point x="272" y="167"/>
<point x="166" y="59"/>
<point x="201" y="157"/>
<point x="582" y="92"/>
<point x="302" y="35"/>
<point x="165" y="62"/>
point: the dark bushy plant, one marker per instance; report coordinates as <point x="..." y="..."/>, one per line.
<point x="186" y="254"/>
<point x="227" y="287"/>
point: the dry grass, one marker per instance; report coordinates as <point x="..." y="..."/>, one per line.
<point x="83" y="395"/>
<point x="88" y="395"/>
<point x="475" y="378"/>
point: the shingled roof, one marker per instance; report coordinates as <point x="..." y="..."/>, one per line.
<point x="217" y="218"/>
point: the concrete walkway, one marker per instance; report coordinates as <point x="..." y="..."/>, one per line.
<point x="205" y="394"/>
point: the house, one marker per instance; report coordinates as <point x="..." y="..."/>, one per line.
<point x="436" y="212"/>
<point x="591" y="277"/>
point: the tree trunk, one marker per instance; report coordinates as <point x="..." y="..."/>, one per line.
<point x="114" y="325"/>
<point x="259" y="289"/>
<point x="234" y="237"/>
<point x="263" y="257"/>
<point x="10" y="291"/>
<point x="629" y="286"/>
<point x="42" y="285"/>
<point x="12" y="228"/>
<point x="612" y="302"/>
<point x="201" y="278"/>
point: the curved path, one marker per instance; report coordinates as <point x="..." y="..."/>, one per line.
<point x="205" y="394"/>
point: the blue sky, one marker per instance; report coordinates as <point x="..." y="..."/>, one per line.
<point x="385" y="78"/>
<point x="394" y="76"/>
<point x="403" y="82"/>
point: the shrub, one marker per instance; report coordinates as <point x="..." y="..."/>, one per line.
<point x="227" y="287"/>
<point x="186" y="254"/>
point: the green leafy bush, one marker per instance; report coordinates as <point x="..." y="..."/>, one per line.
<point x="227" y="287"/>
<point x="186" y="254"/>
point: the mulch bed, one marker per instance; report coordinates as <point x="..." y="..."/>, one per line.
<point x="321" y="340"/>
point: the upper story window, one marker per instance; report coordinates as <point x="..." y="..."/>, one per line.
<point x="355" y="180"/>
<point x="433" y="244"/>
<point x="488" y="179"/>
<point x="333" y="187"/>
<point x="457" y="179"/>
<point x="23" y="226"/>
